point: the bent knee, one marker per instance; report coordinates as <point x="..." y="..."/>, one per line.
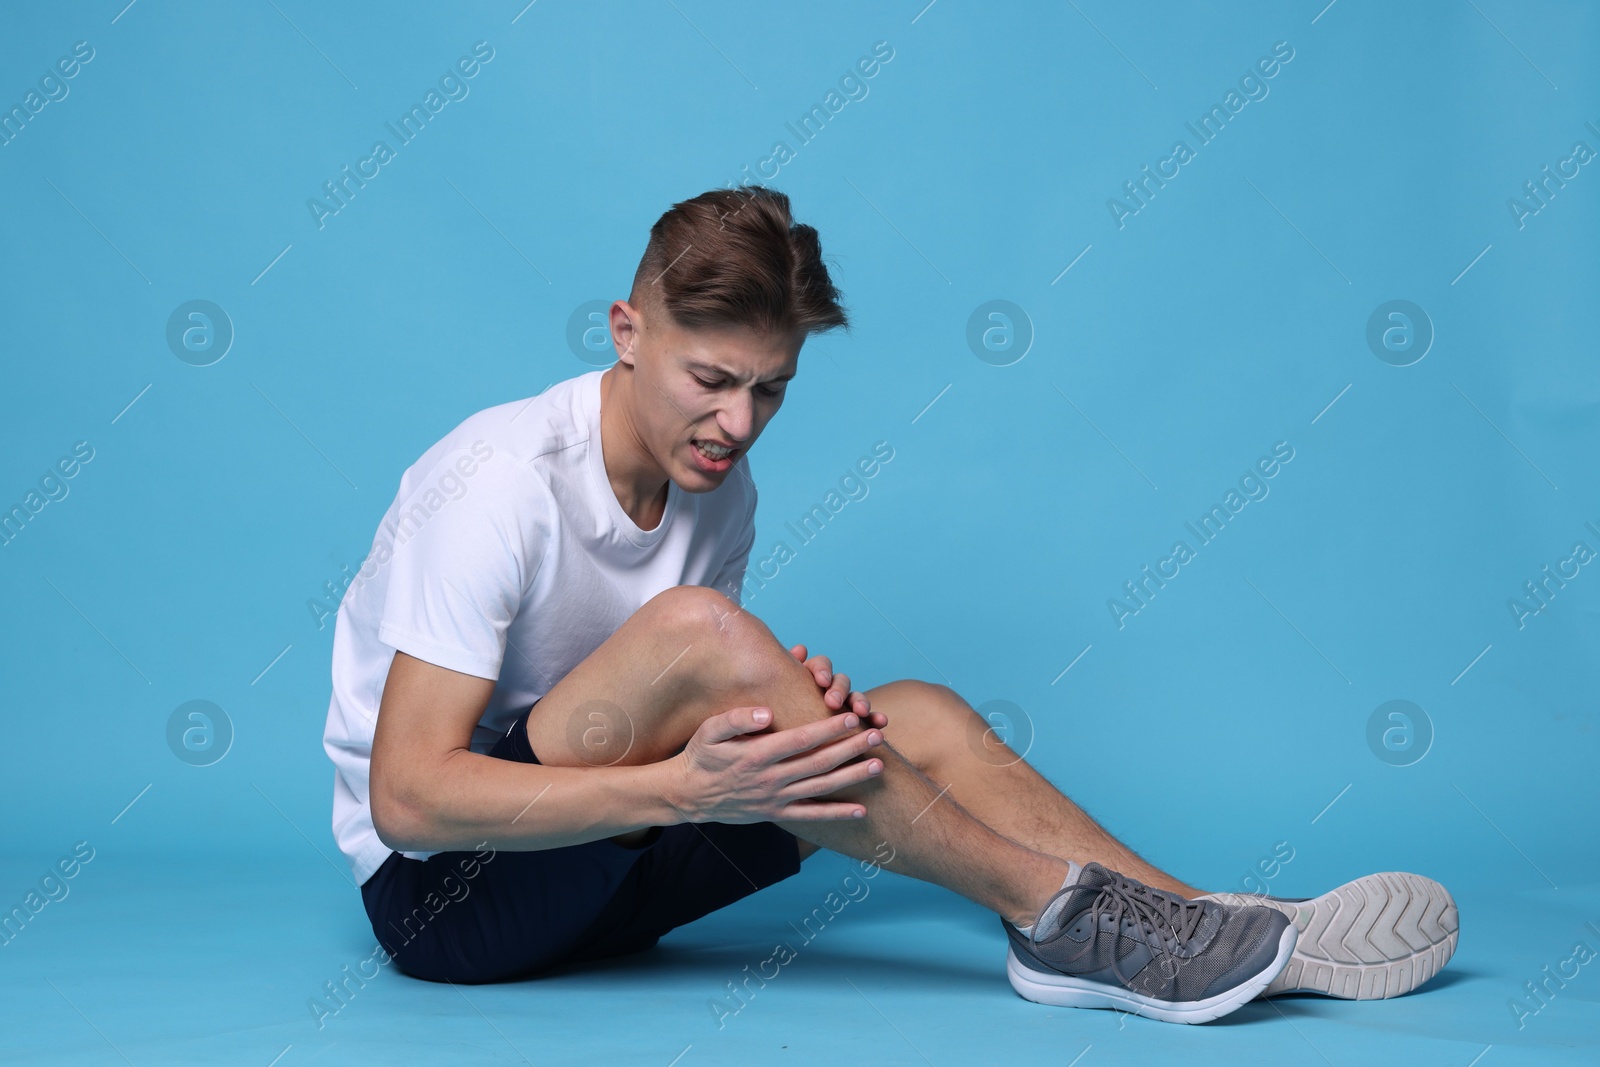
<point x="928" y="703"/>
<point x="733" y="645"/>
<point x="689" y="608"/>
<point x="924" y="717"/>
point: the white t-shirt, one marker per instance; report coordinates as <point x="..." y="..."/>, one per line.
<point x="507" y="556"/>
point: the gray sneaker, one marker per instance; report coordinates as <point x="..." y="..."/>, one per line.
<point x="1370" y="939"/>
<point x="1108" y="941"/>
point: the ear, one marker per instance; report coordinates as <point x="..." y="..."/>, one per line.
<point x="627" y="326"/>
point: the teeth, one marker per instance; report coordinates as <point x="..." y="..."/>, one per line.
<point x="714" y="451"/>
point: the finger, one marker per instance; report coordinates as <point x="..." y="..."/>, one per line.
<point x="734" y="722"/>
<point x="838" y="692"/>
<point x="797" y="739"/>
<point x="798" y="652"/>
<point x="852" y="701"/>
<point x="822" y="784"/>
<point x="820" y="811"/>
<point x="879" y="719"/>
<point x="821" y="668"/>
<point x="826" y="758"/>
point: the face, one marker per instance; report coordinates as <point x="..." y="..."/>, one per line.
<point x="701" y="397"/>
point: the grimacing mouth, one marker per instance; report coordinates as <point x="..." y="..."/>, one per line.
<point x="723" y="449"/>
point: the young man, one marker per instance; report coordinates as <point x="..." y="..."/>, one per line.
<point x="557" y="736"/>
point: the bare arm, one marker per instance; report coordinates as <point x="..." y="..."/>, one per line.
<point x="431" y="793"/>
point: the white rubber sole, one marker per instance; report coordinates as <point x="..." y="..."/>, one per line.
<point x="1064" y="991"/>
<point x="1377" y="937"/>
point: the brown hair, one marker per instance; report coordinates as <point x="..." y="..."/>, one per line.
<point x="736" y="257"/>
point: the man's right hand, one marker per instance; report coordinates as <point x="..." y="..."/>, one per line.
<point x="737" y="770"/>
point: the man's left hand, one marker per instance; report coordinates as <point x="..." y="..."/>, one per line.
<point x="837" y="694"/>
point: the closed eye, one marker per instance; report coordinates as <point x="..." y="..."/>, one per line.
<point x="766" y="390"/>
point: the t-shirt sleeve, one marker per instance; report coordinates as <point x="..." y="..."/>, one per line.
<point x="461" y="563"/>
<point x="730" y="579"/>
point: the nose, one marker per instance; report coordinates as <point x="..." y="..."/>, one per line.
<point x="737" y="417"/>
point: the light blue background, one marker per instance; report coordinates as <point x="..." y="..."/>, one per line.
<point x="1228" y="715"/>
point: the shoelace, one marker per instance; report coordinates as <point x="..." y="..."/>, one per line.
<point x="1154" y="911"/>
<point x="1151" y="908"/>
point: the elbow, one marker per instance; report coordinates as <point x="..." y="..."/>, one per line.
<point x="398" y="820"/>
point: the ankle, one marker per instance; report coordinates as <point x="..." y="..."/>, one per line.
<point x="1054" y="875"/>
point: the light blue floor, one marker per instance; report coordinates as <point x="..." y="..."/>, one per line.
<point x="209" y="960"/>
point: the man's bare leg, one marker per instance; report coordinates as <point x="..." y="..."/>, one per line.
<point x="690" y="654"/>
<point x="951" y="743"/>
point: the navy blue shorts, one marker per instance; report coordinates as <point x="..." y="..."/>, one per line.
<point x="490" y="916"/>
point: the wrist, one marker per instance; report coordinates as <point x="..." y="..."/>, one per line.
<point x="665" y="782"/>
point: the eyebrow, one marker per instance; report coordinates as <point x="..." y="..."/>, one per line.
<point x="695" y="364"/>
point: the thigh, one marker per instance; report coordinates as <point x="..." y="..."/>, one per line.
<point x="638" y="697"/>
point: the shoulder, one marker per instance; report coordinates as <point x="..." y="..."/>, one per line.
<point x="532" y="428"/>
<point x="496" y="461"/>
<point x="518" y="437"/>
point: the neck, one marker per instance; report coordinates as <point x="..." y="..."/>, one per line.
<point x="639" y="484"/>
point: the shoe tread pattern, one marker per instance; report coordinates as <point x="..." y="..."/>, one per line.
<point x="1377" y="937"/>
